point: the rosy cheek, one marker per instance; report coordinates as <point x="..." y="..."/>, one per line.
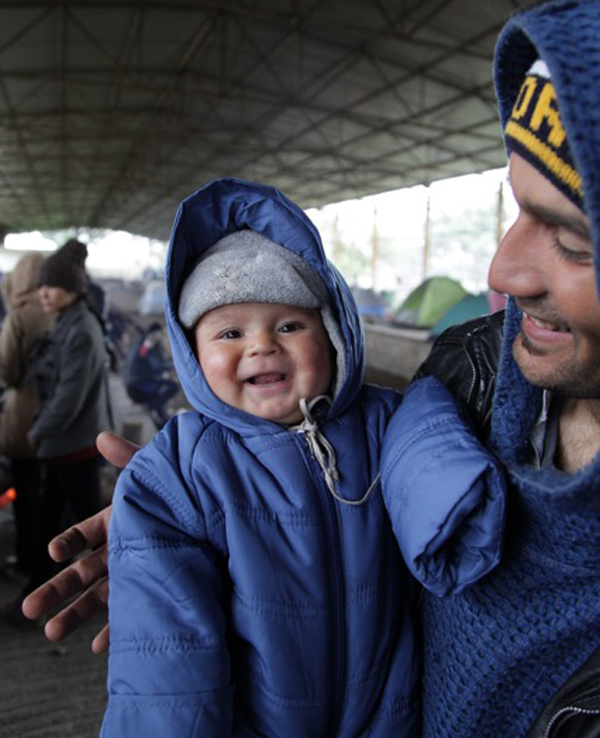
<point x="219" y="363"/>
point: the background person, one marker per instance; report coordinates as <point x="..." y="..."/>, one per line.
<point x="24" y="324"/>
<point x="148" y="374"/>
<point x="71" y="379"/>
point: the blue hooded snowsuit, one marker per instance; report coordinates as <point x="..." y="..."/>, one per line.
<point x="245" y="600"/>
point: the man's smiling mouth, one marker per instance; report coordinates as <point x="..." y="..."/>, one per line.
<point x="546" y="325"/>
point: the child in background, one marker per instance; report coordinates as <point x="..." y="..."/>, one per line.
<point x="256" y="587"/>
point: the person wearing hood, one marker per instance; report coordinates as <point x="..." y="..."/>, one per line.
<point x="257" y="519"/>
<point x="496" y="653"/>
<point x="23" y="326"/>
<point x="256" y="585"/>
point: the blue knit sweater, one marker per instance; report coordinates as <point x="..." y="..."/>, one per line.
<point x="495" y="653"/>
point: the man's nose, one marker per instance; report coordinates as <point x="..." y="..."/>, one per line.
<point x="517" y="268"/>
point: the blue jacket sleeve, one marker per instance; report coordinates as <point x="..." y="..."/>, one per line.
<point x="444" y="491"/>
<point x="169" y="664"/>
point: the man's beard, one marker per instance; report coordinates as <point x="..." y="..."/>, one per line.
<point x="566" y="379"/>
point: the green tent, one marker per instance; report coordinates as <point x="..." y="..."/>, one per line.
<point x="467" y="308"/>
<point x="427" y="304"/>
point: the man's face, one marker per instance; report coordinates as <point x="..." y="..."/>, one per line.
<point x="264" y="358"/>
<point x="545" y="261"/>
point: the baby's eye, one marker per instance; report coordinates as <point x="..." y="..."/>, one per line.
<point x="290" y="327"/>
<point x="231" y="334"/>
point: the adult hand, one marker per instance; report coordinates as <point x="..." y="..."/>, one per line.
<point x="86" y="578"/>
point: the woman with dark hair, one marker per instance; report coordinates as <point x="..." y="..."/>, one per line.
<point x="72" y="382"/>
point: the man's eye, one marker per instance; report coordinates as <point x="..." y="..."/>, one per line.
<point x="569" y="254"/>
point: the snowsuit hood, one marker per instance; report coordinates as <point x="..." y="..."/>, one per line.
<point x="216" y="210"/>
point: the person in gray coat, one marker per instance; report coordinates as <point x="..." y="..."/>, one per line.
<point x="70" y="369"/>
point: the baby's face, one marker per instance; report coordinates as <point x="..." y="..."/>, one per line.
<point x="264" y="358"/>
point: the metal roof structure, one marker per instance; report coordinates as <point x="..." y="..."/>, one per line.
<point x="111" y="112"/>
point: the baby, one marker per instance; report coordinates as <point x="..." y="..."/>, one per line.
<point x="256" y="587"/>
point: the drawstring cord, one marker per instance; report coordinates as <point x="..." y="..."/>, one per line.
<point x="320" y="447"/>
<point x="324" y="452"/>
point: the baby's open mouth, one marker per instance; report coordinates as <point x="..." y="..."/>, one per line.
<point x="270" y="378"/>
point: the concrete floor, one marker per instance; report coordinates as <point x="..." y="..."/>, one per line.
<point x="48" y="690"/>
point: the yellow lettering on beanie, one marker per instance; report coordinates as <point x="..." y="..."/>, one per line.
<point x="525" y="95"/>
<point x="536" y="132"/>
<point x="546" y="110"/>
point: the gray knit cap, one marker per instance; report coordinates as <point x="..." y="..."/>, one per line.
<point x="248" y="267"/>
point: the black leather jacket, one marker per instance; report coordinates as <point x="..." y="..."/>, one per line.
<point x="465" y="359"/>
<point x="574" y="711"/>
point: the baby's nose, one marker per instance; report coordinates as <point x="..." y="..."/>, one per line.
<point x="263" y="342"/>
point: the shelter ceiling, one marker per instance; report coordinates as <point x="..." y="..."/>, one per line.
<point x="112" y="112"/>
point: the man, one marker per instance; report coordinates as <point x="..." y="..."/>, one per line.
<point x="495" y="654"/>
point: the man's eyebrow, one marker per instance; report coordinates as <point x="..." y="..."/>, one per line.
<point x="552" y="217"/>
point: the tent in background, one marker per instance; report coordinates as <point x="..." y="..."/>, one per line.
<point x="437" y="303"/>
<point x="372" y="306"/>
<point x="469" y="307"/>
<point x="428" y="302"/>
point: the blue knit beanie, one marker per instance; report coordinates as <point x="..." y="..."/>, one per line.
<point x="535" y="131"/>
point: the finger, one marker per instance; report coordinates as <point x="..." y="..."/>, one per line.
<point x="71" y="581"/>
<point x="115" y="449"/>
<point x="102" y="640"/>
<point x="89" y="533"/>
<point x="78" y="612"/>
